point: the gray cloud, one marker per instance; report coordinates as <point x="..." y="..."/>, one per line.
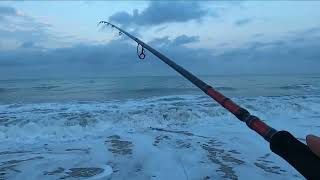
<point x="118" y="58"/>
<point x="22" y="28"/>
<point x="27" y="44"/>
<point x="161" y="12"/>
<point x="164" y="41"/>
<point x="25" y="35"/>
<point x="258" y="35"/>
<point x="7" y="11"/>
<point x="242" y="22"/>
<point x="285" y="55"/>
<point x="178" y="41"/>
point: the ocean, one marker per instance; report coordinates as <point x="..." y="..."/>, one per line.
<point x="155" y="127"/>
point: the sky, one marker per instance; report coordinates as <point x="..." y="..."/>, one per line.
<point x="61" y="38"/>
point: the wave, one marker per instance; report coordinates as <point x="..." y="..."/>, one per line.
<point x="152" y="90"/>
<point x="174" y="90"/>
<point x="298" y="87"/>
<point x="225" y="89"/>
<point x="65" y="121"/>
<point x="45" y="87"/>
<point x="5" y="90"/>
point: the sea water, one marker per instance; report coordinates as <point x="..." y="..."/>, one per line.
<point x="149" y="127"/>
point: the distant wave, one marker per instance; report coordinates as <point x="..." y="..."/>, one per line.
<point x="45" y="87"/>
<point x="2" y="90"/>
<point x="161" y="90"/>
<point x="175" y="90"/>
<point x="298" y="87"/>
<point x="225" y="89"/>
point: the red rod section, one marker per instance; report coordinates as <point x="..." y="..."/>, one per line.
<point x="242" y="114"/>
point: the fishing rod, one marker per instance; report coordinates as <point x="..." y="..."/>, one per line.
<point x="281" y="143"/>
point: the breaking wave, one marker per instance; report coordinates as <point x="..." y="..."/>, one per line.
<point x="298" y="87"/>
<point x="2" y="90"/>
<point x="173" y="90"/>
<point x="65" y="121"/>
<point x="225" y="89"/>
<point x="45" y="87"/>
<point x="5" y="90"/>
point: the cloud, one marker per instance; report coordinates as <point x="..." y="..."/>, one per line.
<point x="7" y="11"/>
<point x="118" y="58"/>
<point x="286" y="55"/>
<point x="178" y="41"/>
<point x="258" y="35"/>
<point x="159" y="42"/>
<point x="183" y="39"/>
<point x="161" y="12"/>
<point x="161" y="28"/>
<point x="27" y="44"/>
<point x="17" y="28"/>
<point x="242" y="22"/>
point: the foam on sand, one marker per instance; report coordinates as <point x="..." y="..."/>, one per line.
<point x="171" y="137"/>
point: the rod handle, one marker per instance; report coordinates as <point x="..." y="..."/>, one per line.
<point x="297" y="154"/>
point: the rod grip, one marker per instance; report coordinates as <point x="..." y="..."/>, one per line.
<point x="297" y="154"/>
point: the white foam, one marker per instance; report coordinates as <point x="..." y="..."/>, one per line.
<point x="71" y="121"/>
<point x="57" y="127"/>
<point x="107" y="171"/>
